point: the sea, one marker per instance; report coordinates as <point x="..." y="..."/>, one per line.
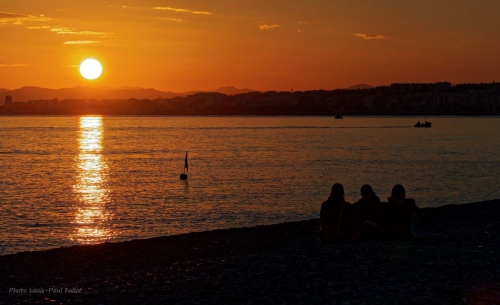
<point x="71" y="180"/>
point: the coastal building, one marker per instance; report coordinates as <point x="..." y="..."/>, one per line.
<point x="15" y="107"/>
<point x="43" y="103"/>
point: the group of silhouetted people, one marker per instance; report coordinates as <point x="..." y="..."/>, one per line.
<point x="368" y="217"/>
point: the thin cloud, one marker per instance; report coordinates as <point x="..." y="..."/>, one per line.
<point x="370" y="36"/>
<point x="4" y="15"/>
<point x="266" y="27"/>
<point x="74" y="42"/>
<point x="303" y="22"/>
<point x="39" y="18"/>
<point x="12" y="65"/>
<point x="16" y="18"/>
<point x="58" y="29"/>
<point x="174" y="19"/>
<point x="181" y="10"/>
<point x="67" y="31"/>
<point x="40" y="27"/>
<point x="70" y="32"/>
<point x="299" y="31"/>
<point x="89" y="33"/>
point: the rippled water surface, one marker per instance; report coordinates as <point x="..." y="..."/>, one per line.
<point x="76" y="180"/>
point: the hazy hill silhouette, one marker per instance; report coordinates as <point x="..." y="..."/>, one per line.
<point x="230" y="90"/>
<point x="27" y="93"/>
<point x="35" y="93"/>
<point x="360" y="86"/>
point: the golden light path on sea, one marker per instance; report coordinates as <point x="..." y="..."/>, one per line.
<point x="91" y="216"/>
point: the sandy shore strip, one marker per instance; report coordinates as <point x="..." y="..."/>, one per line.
<point x="454" y="260"/>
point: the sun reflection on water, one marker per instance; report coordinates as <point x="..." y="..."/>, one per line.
<point x="91" y="216"/>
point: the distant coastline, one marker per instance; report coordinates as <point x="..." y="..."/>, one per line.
<point x="397" y="99"/>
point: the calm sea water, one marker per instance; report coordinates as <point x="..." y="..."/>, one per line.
<point x="90" y="179"/>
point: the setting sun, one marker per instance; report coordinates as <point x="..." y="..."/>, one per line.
<point x="90" y="68"/>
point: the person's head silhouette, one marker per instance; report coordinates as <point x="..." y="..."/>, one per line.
<point x="398" y="191"/>
<point x="367" y="191"/>
<point x="337" y="191"/>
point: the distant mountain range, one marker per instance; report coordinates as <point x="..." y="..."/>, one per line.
<point x="360" y="86"/>
<point x="35" y="93"/>
<point x="27" y="93"/>
<point x="230" y="90"/>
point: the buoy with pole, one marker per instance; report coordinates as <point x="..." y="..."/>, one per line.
<point x="184" y="176"/>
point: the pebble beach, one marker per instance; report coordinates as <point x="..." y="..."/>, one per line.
<point x="453" y="259"/>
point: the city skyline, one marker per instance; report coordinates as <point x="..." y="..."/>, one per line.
<point x="278" y="45"/>
<point x="398" y="99"/>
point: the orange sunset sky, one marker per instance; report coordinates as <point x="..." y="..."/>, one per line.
<point x="260" y="44"/>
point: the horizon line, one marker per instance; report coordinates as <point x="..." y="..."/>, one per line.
<point x="256" y="90"/>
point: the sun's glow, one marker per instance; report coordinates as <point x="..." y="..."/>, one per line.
<point x="90" y="68"/>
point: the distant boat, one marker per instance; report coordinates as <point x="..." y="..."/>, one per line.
<point x="339" y="116"/>
<point x="424" y="125"/>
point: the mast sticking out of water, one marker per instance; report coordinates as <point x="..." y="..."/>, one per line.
<point x="184" y="176"/>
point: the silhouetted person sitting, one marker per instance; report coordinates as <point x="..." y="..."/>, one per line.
<point x="397" y="222"/>
<point x="337" y="218"/>
<point x="368" y="210"/>
<point x="398" y="196"/>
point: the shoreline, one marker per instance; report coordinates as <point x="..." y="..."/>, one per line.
<point x="453" y="259"/>
<point x="388" y="115"/>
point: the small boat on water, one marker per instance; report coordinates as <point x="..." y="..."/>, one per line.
<point x="339" y="116"/>
<point x="424" y="124"/>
